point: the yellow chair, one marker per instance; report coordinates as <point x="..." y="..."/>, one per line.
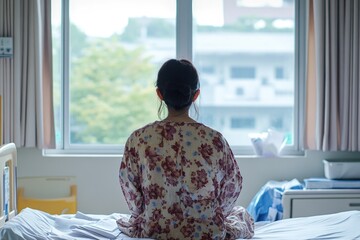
<point x="54" y="195"/>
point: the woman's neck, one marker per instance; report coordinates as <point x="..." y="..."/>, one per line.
<point x="178" y="116"/>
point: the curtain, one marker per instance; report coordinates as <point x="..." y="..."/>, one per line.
<point x="333" y="77"/>
<point x="26" y="78"/>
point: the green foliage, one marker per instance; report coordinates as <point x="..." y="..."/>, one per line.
<point x="78" y="40"/>
<point x="132" y="31"/>
<point x="159" y="28"/>
<point x="112" y="93"/>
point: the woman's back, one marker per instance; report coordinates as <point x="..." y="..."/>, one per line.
<point x="182" y="171"/>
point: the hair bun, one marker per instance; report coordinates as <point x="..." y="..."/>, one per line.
<point x="178" y="98"/>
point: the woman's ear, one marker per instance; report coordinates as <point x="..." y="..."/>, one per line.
<point x="196" y="95"/>
<point x="159" y="94"/>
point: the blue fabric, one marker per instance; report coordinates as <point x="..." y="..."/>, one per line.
<point x="267" y="203"/>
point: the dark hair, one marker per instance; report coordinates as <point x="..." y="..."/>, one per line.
<point x="178" y="82"/>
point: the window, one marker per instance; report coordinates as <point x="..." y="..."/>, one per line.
<point x="240" y="92"/>
<point x="242" y="123"/>
<point x="279" y="73"/>
<point x="242" y="72"/>
<point x="110" y="67"/>
<point x="207" y="70"/>
<point x="105" y="66"/>
<point x="277" y="123"/>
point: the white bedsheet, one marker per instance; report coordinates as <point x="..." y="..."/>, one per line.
<point x="344" y="225"/>
<point x="32" y="224"/>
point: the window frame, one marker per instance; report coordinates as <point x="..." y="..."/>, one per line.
<point x="184" y="49"/>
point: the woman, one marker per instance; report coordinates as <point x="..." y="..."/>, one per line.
<point x="179" y="177"/>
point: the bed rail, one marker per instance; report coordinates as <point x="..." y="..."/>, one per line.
<point x="8" y="163"/>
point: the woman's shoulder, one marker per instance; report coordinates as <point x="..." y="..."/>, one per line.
<point x="144" y="129"/>
<point x="210" y="130"/>
<point x="217" y="136"/>
<point x="204" y="129"/>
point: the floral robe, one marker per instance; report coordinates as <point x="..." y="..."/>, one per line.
<point x="181" y="181"/>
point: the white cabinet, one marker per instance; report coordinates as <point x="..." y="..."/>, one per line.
<point x="304" y="203"/>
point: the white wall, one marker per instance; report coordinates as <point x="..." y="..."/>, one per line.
<point x="99" y="190"/>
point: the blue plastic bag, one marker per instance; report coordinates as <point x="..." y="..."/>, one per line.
<point x="267" y="203"/>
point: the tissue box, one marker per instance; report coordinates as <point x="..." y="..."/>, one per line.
<point x="342" y="169"/>
<point x="268" y="144"/>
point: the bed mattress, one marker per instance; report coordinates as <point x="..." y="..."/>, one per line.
<point x="33" y="224"/>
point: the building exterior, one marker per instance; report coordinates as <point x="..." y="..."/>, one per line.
<point x="247" y="80"/>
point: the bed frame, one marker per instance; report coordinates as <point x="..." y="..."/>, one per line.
<point x="8" y="161"/>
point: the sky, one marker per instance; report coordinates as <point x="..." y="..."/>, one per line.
<point x="102" y="18"/>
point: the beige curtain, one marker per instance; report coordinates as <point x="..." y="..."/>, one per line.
<point x="26" y="78"/>
<point x="333" y="76"/>
<point x="310" y="120"/>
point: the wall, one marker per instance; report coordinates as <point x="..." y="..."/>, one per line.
<point x="99" y="190"/>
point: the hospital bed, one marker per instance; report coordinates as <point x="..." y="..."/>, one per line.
<point x="34" y="224"/>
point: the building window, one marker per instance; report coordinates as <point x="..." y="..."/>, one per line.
<point x="242" y="123"/>
<point x="207" y="70"/>
<point x="277" y="123"/>
<point x="104" y="67"/>
<point x="240" y="92"/>
<point x="242" y="72"/>
<point x="279" y="73"/>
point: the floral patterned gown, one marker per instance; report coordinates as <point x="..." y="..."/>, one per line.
<point x="181" y="181"/>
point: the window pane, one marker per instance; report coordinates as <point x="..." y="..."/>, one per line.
<point x="57" y="73"/>
<point x="116" y="48"/>
<point x="245" y="41"/>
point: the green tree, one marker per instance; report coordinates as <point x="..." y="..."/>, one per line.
<point x="78" y="40"/>
<point x="112" y="93"/>
<point x="160" y="28"/>
<point x="132" y="31"/>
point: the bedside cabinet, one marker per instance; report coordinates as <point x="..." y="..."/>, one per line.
<point x="304" y="203"/>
